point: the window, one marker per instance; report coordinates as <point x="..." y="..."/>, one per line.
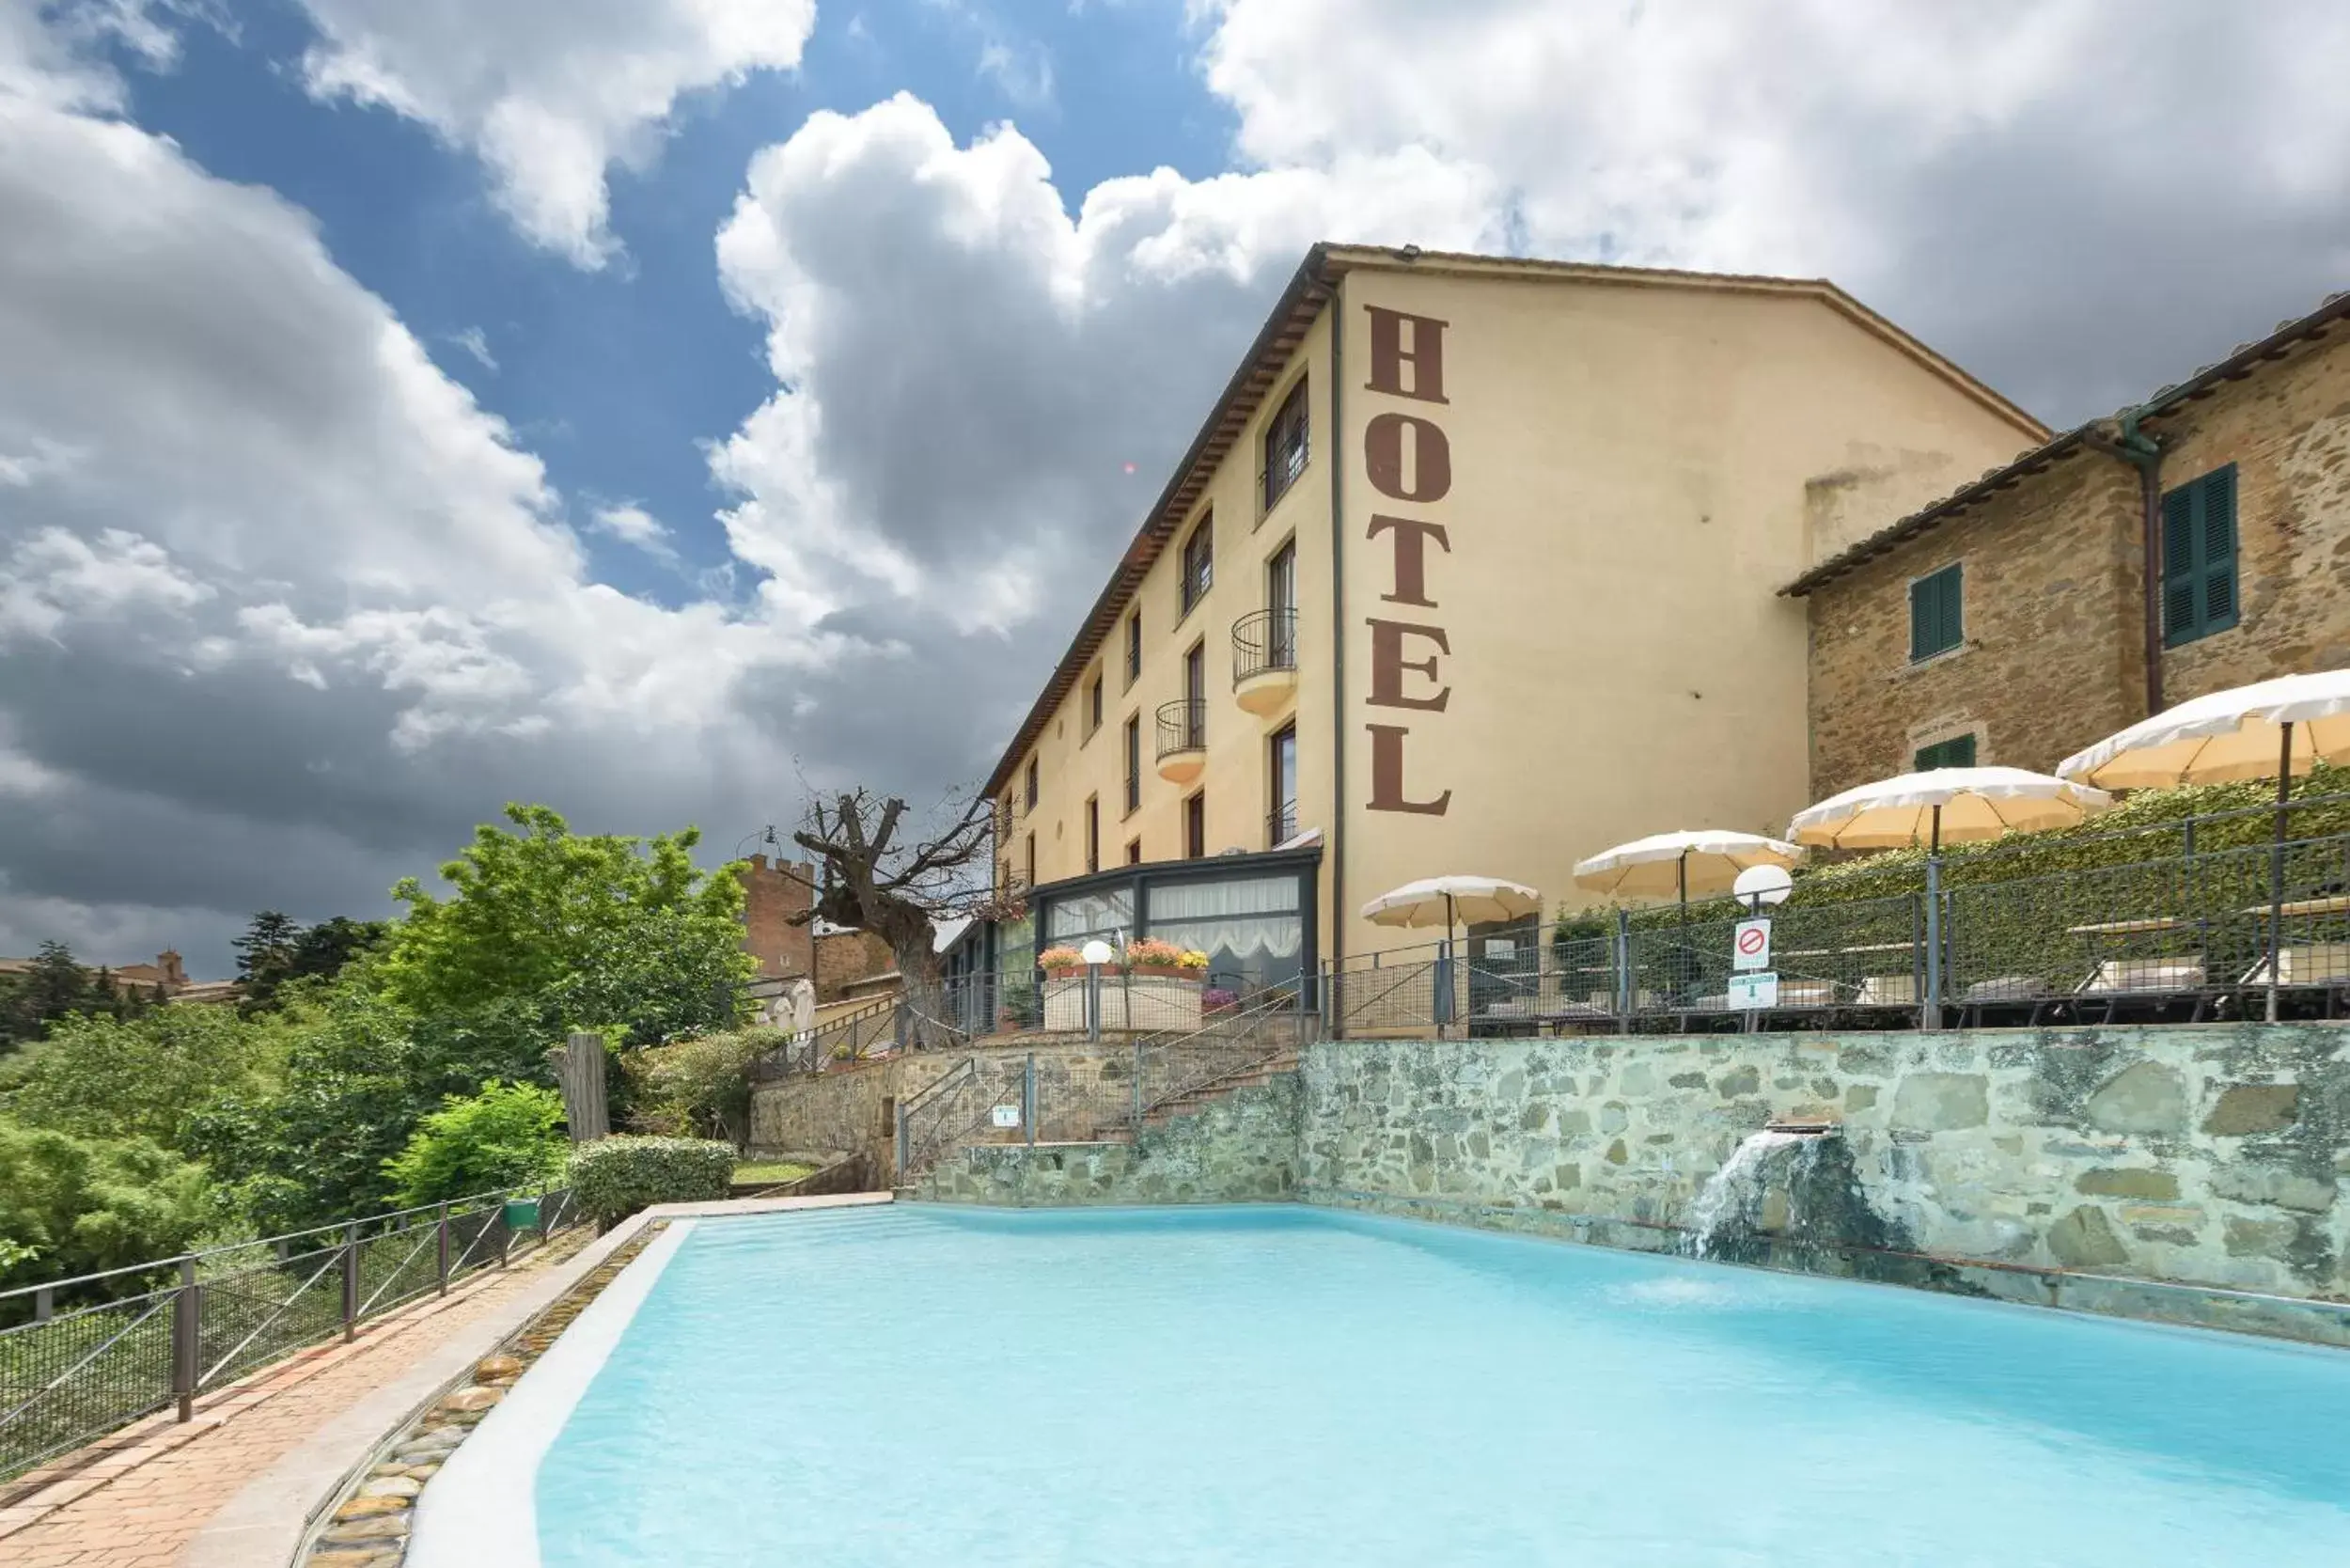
<point x="1133" y="852"/>
<point x="1093" y="706"/>
<point x="1933" y="614"/>
<point x="1133" y="764"/>
<point x="1133" y="647"/>
<point x="1108" y="913"/>
<point x="1956" y="752"/>
<point x="1286" y="444"/>
<point x="1198" y="563"/>
<point x="1195" y="731"/>
<point x="1281" y="821"/>
<point x="1280" y="597"/>
<point x="1032" y="880"/>
<point x="1093" y="833"/>
<point x="1029" y="787"/>
<point x="1196" y="825"/>
<point x="2199" y="575"/>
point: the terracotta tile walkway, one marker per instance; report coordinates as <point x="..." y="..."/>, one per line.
<point x="139" y="1505"/>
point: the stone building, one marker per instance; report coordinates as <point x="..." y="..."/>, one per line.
<point x="772" y="894"/>
<point x="2197" y="541"/>
<point x="1470" y="568"/>
<point x="850" y="963"/>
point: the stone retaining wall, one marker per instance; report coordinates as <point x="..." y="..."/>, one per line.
<point x="2210" y="1155"/>
<point x="1240" y="1147"/>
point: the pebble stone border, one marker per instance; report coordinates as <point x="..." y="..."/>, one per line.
<point x="369" y="1527"/>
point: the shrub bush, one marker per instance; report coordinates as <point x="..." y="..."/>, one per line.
<point x="613" y="1177"/>
<point x="698" y="1086"/>
<point x="508" y="1136"/>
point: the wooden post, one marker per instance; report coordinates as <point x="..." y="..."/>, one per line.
<point x="580" y="1067"/>
<point x="186" y="1339"/>
<point x="350" y="1281"/>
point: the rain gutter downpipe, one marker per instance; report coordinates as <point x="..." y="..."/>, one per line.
<point x="2142" y="452"/>
<point x="1337" y="652"/>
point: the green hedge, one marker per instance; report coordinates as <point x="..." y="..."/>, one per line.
<point x="613" y="1177"/>
<point x="2017" y="904"/>
<point x="2147" y="827"/>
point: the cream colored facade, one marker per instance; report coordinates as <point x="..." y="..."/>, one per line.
<point x="1605" y="475"/>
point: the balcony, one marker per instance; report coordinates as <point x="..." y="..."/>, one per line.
<point x="1183" y="739"/>
<point x="1280" y="825"/>
<point x="1265" y="661"/>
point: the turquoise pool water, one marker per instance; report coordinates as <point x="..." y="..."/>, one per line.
<point x="1290" y="1385"/>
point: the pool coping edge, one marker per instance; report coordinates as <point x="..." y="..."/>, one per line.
<point x="268" y="1520"/>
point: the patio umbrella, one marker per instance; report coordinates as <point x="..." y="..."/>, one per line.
<point x="2269" y="729"/>
<point x="1706" y="858"/>
<point x="1446" y="901"/>
<point x="2256" y="731"/>
<point x="1958" y="804"/>
<point x="1449" y="899"/>
<point x="1937" y="803"/>
<point x="1706" y="861"/>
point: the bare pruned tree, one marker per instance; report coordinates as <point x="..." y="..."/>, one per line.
<point x="887" y="872"/>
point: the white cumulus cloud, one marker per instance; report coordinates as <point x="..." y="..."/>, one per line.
<point x="549" y="94"/>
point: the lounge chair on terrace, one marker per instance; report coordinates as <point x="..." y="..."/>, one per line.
<point x="2119" y="979"/>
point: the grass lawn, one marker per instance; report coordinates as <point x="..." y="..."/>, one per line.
<point x="769" y="1172"/>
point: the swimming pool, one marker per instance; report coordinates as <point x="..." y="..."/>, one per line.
<point x="1287" y="1385"/>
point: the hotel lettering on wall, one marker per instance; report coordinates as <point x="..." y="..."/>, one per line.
<point x="1408" y="459"/>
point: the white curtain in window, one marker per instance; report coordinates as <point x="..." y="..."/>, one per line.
<point x="1201" y="901"/>
<point x="1241" y="917"/>
<point x="1242" y="936"/>
<point x="1089" y="914"/>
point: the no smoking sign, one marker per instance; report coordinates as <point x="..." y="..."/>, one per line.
<point x="1750" y="946"/>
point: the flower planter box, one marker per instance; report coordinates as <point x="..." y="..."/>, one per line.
<point x="1137" y="1001"/>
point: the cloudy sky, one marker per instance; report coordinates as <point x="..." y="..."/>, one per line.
<point x="408" y="405"/>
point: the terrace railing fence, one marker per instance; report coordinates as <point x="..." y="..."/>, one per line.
<point x="80" y="1357"/>
<point x="2175" y="920"/>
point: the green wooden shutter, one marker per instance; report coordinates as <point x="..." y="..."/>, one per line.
<point x="2198" y="557"/>
<point x="2178" y="565"/>
<point x="2217" y="564"/>
<point x="1935" y="615"/>
<point x="1956" y="752"/>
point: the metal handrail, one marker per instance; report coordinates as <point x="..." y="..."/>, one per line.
<point x="1182" y="725"/>
<point x="98" y="1387"/>
<point x="1263" y="642"/>
<point x="454" y="1205"/>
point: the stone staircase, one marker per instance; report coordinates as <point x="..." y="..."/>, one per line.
<point x="1199" y="1096"/>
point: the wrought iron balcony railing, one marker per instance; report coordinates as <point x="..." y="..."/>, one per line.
<point x="1280" y="825"/>
<point x="1182" y="725"/>
<point x="1263" y="642"/>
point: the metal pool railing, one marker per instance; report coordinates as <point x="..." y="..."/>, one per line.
<point x="80" y="1357"/>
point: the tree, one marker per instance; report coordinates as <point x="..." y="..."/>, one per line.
<point x="99" y="1077"/>
<point x="360" y="1073"/>
<point x="894" y="878"/>
<point x="274" y="952"/>
<point x="265" y="953"/>
<point x="72" y="1205"/>
<point x="547" y="915"/>
<point x="509" y="1135"/>
<point x="55" y="987"/>
<point x="323" y="950"/>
